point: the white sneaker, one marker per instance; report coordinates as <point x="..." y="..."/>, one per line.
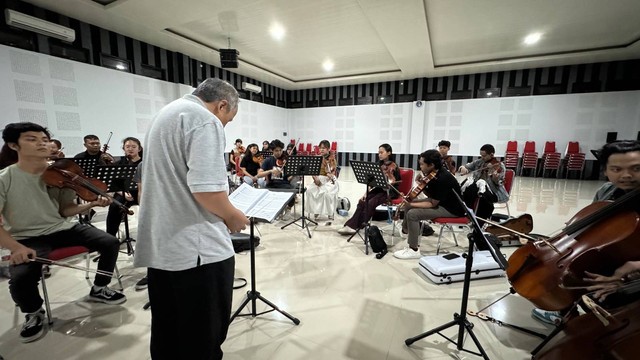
<point x="407" y="253"/>
<point x="345" y="230"/>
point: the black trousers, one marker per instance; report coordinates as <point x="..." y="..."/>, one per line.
<point x="190" y="310"/>
<point x="114" y="216"/>
<point x="25" y="277"/>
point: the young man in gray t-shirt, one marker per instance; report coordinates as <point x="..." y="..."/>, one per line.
<point x="184" y="222"/>
<point x="35" y="222"/>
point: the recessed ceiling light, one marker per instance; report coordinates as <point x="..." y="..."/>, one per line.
<point x="532" y="38"/>
<point x="277" y="31"/>
<point x="327" y="65"/>
<point x="120" y="67"/>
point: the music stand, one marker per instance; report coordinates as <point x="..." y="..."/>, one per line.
<point x="461" y="319"/>
<point x="370" y="174"/>
<point x="302" y="165"/>
<point x="253" y="294"/>
<point x="88" y="167"/>
<point x="119" y="178"/>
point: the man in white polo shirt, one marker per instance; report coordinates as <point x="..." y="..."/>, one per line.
<point x="184" y="224"/>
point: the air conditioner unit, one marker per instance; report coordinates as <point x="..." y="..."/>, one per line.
<point x="251" y="88"/>
<point x="26" y="22"/>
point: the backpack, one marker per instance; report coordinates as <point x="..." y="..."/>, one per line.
<point x="242" y="243"/>
<point x="377" y="242"/>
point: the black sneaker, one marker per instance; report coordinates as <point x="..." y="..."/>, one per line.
<point x="142" y="284"/>
<point x="107" y="296"/>
<point x="33" y="327"/>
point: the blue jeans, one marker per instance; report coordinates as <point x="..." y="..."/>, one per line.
<point x="261" y="181"/>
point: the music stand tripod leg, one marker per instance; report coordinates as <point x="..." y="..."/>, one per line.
<point x="303" y="219"/>
<point x="253" y="294"/>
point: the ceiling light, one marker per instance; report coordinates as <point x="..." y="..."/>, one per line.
<point x="120" y="67"/>
<point x="489" y="93"/>
<point x="532" y="38"/>
<point x="328" y="65"/>
<point x="277" y="31"/>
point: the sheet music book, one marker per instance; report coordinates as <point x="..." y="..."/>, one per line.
<point x="259" y="203"/>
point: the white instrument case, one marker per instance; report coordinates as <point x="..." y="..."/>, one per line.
<point x="448" y="268"/>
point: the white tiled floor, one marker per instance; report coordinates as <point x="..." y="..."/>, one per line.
<point x="351" y="306"/>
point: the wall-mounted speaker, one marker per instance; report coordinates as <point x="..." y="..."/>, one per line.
<point x="229" y="58"/>
<point x="611" y="137"/>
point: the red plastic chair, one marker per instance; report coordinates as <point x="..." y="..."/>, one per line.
<point x="550" y="158"/>
<point x="509" y="175"/>
<point x="512" y="146"/>
<point x="575" y="162"/>
<point x="65" y="253"/>
<point x="404" y="187"/>
<point x="529" y="157"/>
<point x="448" y="223"/>
<point x="316" y="150"/>
<point x="511" y="155"/>
<point x="300" y="148"/>
<point x="572" y="148"/>
<point x="334" y="148"/>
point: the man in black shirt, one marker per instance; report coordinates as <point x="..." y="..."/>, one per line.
<point x="440" y="202"/>
<point x="92" y="143"/>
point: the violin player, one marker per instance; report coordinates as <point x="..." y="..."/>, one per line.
<point x="439" y="203"/>
<point x="621" y="160"/>
<point x="322" y="194"/>
<point x="250" y="165"/>
<point x="487" y="183"/>
<point x="92" y="144"/>
<point x="46" y="228"/>
<point x="443" y="147"/>
<point x="235" y="155"/>
<point x="272" y="169"/>
<point x="376" y="196"/>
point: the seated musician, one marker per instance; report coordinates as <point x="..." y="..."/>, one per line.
<point x="55" y="148"/>
<point x="47" y="227"/>
<point x="443" y="147"/>
<point x="250" y="165"/>
<point x="487" y="183"/>
<point x="133" y="156"/>
<point x="377" y="196"/>
<point x="322" y="194"/>
<point x="92" y="143"/>
<point x="621" y="160"/>
<point x="272" y="169"/>
<point x="266" y="146"/>
<point x="291" y="149"/>
<point x="440" y="202"/>
<point x="235" y="155"/>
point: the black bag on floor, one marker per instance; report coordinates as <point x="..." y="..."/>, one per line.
<point x="376" y="241"/>
<point x="242" y="243"/>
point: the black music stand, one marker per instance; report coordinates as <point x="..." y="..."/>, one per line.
<point x="119" y="178"/>
<point x="88" y="167"/>
<point x="460" y="320"/>
<point x="302" y="165"/>
<point x="370" y="174"/>
<point x="253" y="294"/>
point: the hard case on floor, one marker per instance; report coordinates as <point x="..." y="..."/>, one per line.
<point x="448" y="268"/>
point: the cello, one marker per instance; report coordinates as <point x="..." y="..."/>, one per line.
<point x="598" y="239"/>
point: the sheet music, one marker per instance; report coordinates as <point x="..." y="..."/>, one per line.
<point x="259" y="203"/>
<point x="245" y="197"/>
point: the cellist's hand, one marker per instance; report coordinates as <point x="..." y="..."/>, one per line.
<point x="602" y="285"/>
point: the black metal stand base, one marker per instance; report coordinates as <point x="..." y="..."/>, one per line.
<point x="303" y="219"/>
<point x="127" y="237"/>
<point x="463" y="324"/>
<point x="253" y="295"/>
<point x="364" y="238"/>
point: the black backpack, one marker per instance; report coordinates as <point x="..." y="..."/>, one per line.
<point x="241" y="242"/>
<point x="376" y="241"/>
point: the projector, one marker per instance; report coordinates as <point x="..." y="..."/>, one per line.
<point x="251" y="88"/>
<point x="229" y="58"/>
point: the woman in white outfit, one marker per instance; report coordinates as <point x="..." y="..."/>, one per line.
<point x="322" y="194"/>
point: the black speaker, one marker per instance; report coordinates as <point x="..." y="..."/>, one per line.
<point x="638" y="138"/>
<point x="611" y="137"/>
<point x="229" y="58"/>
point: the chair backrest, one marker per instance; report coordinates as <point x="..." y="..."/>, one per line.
<point x="238" y="160"/>
<point x="300" y="147"/>
<point x="407" y="181"/>
<point x="549" y="147"/>
<point x="309" y="148"/>
<point x="529" y="147"/>
<point x="573" y="147"/>
<point x="316" y="150"/>
<point x="512" y="146"/>
<point x="508" y="180"/>
<point x="334" y="146"/>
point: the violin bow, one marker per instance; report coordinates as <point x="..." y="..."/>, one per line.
<point x="520" y="234"/>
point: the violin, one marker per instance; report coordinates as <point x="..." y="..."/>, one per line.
<point x="421" y="184"/>
<point x="327" y="162"/>
<point x="449" y="163"/>
<point x="64" y="173"/>
<point x="599" y="239"/>
<point x="389" y="170"/>
<point x="258" y="159"/>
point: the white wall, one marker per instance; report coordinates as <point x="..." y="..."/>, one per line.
<point x="74" y="99"/>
